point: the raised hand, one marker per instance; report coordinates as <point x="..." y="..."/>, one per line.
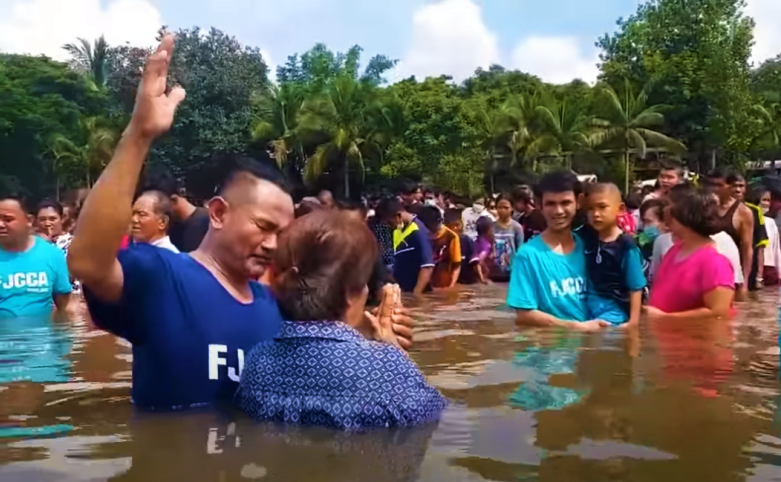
<point x="154" y="110"/>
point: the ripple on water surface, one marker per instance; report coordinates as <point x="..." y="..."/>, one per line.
<point x="668" y="403"/>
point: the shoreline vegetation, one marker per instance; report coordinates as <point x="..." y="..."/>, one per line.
<point x="675" y="83"/>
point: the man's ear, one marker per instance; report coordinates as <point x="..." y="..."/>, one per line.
<point x="218" y="210"/>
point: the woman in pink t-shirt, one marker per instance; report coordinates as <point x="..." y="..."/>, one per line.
<point x="693" y="280"/>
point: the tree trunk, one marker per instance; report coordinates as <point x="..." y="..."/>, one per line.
<point x="346" y="178"/>
<point x="626" y="173"/>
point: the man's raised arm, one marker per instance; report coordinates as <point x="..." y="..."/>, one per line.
<point x="105" y="216"/>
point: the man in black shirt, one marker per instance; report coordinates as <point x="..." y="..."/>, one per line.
<point x="531" y="219"/>
<point x="189" y="223"/>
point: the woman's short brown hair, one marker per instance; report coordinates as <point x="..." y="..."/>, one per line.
<point x="322" y="259"/>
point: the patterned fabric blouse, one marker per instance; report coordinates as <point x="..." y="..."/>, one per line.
<point x="384" y="237"/>
<point x="64" y="242"/>
<point x="328" y="374"/>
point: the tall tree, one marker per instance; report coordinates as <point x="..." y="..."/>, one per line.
<point x="627" y="121"/>
<point x="277" y="120"/>
<point x="92" y="60"/>
<point x="39" y="99"/>
<point x="697" y="54"/>
<point x="221" y="76"/>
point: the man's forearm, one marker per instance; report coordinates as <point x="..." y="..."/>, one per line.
<point x="106" y="214"/>
<point x="747" y="255"/>
<point x="454" y="275"/>
<point x="424" y="276"/>
<point x="538" y="318"/>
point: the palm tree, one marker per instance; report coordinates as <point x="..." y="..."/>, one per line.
<point x="490" y="129"/>
<point x="90" y="59"/>
<point x="563" y="129"/>
<point x="341" y="118"/>
<point x="277" y="121"/>
<point x="517" y="115"/>
<point x="628" y="121"/>
<point x="770" y="116"/>
<point x="89" y="156"/>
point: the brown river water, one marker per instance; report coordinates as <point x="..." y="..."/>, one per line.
<point x="676" y="403"/>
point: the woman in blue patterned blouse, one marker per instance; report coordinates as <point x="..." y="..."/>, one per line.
<point x="324" y="368"/>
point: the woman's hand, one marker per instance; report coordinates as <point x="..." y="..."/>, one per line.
<point x="382" y="331"/>
<point x="402" y="328"/>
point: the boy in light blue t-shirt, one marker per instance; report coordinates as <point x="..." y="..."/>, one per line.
<point x="33" y="272"/>
<point x="548" y="279"/>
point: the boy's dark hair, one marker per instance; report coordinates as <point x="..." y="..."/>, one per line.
<point x="453" y="215"/>
<point x="483" y="225"/>
<point x="697" y="210"/>
<point x="633" y="201"/>
<point x="49" y="203"/>
<point x="672" y="165"/>
<point x="558" y="182"/>
<point x="431" y="217"/>
<point x="656" y="205"/>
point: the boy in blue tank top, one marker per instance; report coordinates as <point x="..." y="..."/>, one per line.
<point x="614" y="262"/>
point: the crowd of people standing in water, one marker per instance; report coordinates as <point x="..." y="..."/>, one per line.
<point x="254" y="300"/>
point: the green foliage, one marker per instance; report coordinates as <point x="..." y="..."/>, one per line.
<point x="696" y="54"/>
<point x="40" y="100"/>
<point x="675" y="76"/>
<point x="220" y="77"/>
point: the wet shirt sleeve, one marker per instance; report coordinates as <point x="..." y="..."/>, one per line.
<point x="455" y="250"/>
<point x="717" y="273"/>
<point x="424" y="248"/>
<point x="634" y="277"/>
<point x="62" y="281"/>
<point x="141" y="266"/>
<point x="521" y="294"/>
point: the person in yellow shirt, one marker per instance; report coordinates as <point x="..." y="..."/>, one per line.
<point x="445" y="246"/>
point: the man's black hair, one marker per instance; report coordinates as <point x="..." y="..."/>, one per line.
<point x="239" y="166"/>
<point x="557" y="182"/>
<point x="522" y="194"/>
<point x="166" y="184"/>
<point x="716" y="174"/>
<point x="408" y="187"/>
<point x="734" y="177"/>
<point x="431" y="217"/>
<point x="388" y="207"/>
<point x="20" y="198"/>
<point x="49" y="203"/>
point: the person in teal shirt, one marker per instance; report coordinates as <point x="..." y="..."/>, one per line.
<point x="548" y="279"/>
<point x="33" y="272"/>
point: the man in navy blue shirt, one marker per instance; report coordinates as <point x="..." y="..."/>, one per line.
<point x="190" y="317"/>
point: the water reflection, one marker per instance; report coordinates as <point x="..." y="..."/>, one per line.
<point x="675" y="402"/>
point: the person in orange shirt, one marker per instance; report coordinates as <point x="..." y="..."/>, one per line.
<point x="446" y="248"/>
